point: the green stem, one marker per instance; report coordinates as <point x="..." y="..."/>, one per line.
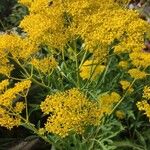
<point x="83" y="59"/>
<point x="31" y="127"/>
<point x="104" y="74"/>
<point x="122" y="97"/>
<point x="30" y="76"/>
<point x="28" y="125"/>
<point x="26" y="103"/>
<point x="77" y="65"/>
<point x="2" y="25"/>
<point x="92" y="70"/>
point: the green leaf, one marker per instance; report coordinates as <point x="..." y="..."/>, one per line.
<point x="128" y="144"/>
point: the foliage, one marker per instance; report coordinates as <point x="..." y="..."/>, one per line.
<point x="11" y="13"/>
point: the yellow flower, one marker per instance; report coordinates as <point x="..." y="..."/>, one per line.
<point x="123" y="64"/>
<point x="41" y="131"/>
<point x="19" y="107"/>
<point x="45" y="65"/>
<point x="120" y="114"/>
<point x="18" y="48"/>
<point x="91" y="69"/>
<point x="140" y="59"/>
<point x="107" y="101"/>
<point x="69" y="111"/>
<point x="144" y="106"/>
<point x="146" y="93"/>
<point x="125" y="85"/>
<point x="10" y="108"/>
<point x="10" y="94"/>
<point x="3" y="85"/>
<point x="136" y="73"/>
<point x="97" y="23"/>
<point x="6" y="69"/>
<point x="5" y="66"/>
<point x="7" y="120"/>
<point x="22" y="87"/>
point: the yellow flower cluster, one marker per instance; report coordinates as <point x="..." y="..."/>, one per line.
<point x="144" y="104"/>
<point x="126" y="85"/>
<point x="20" y="48"/>
<point x="54" y="23"/>
<point x="123" y="65"/>
<point x="91" y="69"/>
<point x="45" y="65"/>
<point x="133" y="41"/>
<point x="146" y="93"/>
<point x="19" y="107"/>
<point x="3" y="86"/>
<point x="69" y="111"/>
<point x="120" y="114"/>
<point x="97" y="23"/>
<point x="136" y="73"/>
<point x="45" y="23"/>
<point x="107" y="102"/>
<point x="140" y="59"/>
<point x="10" y="107"/>
<point x="7" y="120"/>
<point x="5" y="66"/>
<point x="15" y="47"/>
<point x="72" y="111"/>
